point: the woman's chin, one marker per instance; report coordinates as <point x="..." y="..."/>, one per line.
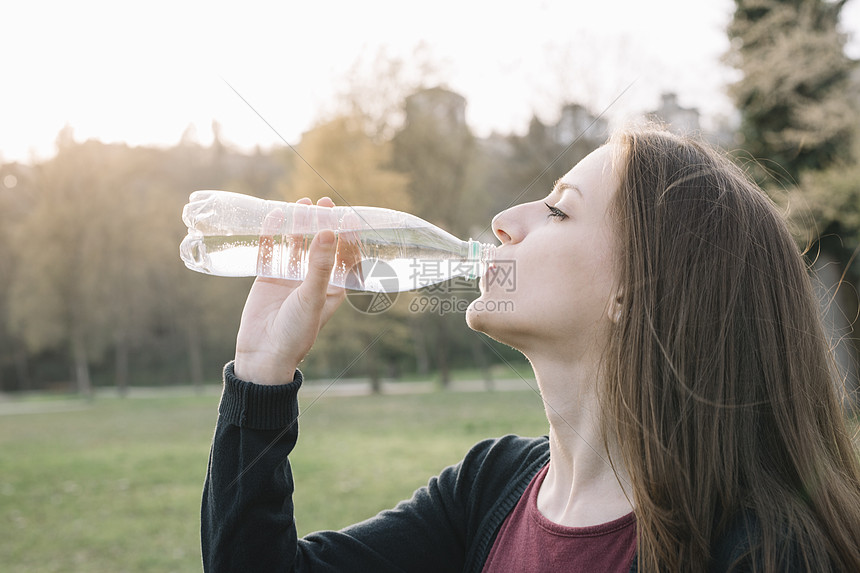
<point x="473" y="319"/>
<point x="482" y="315"/>
<point x="476" y="315"/>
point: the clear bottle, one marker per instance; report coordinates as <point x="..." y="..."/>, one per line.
<point x="378" y="250"/>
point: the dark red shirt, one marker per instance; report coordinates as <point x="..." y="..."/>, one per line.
<point x="530" y="543"/>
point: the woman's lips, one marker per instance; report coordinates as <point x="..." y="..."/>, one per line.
<point x="489" y="276"/>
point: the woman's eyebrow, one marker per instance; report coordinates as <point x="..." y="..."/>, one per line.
<point x="562" y="186"/>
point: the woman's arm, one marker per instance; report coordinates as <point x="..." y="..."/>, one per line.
<point x="247" y="511"/>
<point x="247" y="516"/>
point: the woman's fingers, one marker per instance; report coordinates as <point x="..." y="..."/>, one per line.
<point x="321" y="258"/>
<point x="320" y="263"/>
<point x="281" y="319"/>
<point x="294" y="235"/>
<point x="349" y="255"/>
<point x="266" y="251"/>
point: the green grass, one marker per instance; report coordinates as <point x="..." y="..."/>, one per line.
<point x="115" y="485"/>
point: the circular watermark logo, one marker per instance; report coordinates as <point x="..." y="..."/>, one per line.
<point x="381" y="283"/>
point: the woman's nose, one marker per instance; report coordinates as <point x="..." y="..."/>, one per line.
<point x="505" y="226"/>
<point x="498" y="231"/>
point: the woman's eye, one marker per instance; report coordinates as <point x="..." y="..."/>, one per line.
<point x="556" y="212"/>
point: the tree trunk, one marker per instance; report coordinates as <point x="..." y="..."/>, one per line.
<point x="838" y="303"/>
<point x="22" y="368"/>
<point x="121" y="364"/>
<point x="442" y="354"/>
<point x="422" y="356"/>
<point x="81" y="367"/>
<point x="195" y="355"/>
<point x="374" y="372"/>
<point x="481" y="362"/>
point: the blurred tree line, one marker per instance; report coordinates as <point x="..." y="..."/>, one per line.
<point x="93" y="292"/>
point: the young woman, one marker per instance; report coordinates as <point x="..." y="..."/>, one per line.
<point x="694" y="420"/>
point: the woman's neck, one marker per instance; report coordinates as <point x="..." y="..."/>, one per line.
<point x="581" y="487"/>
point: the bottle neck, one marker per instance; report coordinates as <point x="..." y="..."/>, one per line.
<point x="481" y="255"/>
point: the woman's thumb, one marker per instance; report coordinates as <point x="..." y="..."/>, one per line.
<point x="320" y="262"/>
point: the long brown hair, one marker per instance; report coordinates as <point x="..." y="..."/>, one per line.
<point x="720" y="388"/>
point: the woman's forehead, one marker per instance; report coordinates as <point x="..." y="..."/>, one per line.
<point x="594" y="174"/>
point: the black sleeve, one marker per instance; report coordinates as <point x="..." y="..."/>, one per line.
<point x="247" y="509"/>
<point x="246" y="517"/>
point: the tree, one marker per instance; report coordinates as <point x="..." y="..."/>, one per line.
<point x="202" y="312"/>
<point x="93" y="252"/>
<point x="792" y="96"/>
<point x="830" y="202"/>
<point x="341" y="161"/>
<point x="378" y="83"/>
<point x="827" y="208"/>
<point x="15" y="198"/>
<point x="435" y="148"/>
<point x="67" y="244"/>
<point x="796" y="120"/>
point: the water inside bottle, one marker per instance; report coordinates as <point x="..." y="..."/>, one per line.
<point x="376" y="260"/>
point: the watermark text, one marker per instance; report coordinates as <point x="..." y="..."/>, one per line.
<point x="428" y="303"/>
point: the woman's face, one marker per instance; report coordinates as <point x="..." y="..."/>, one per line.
<point x="554" y="277"/>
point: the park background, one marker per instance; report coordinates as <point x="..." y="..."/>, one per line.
<point x="111" y="115"/>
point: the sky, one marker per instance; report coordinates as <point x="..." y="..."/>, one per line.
<point x="143" y="72"/>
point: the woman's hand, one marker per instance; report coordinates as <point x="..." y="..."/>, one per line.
<point x="282" y="319"/>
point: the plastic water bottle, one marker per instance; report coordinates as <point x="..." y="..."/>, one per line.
<point x="378" y="250"/>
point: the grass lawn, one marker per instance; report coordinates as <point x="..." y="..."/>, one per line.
<point x="115" y="485"/>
